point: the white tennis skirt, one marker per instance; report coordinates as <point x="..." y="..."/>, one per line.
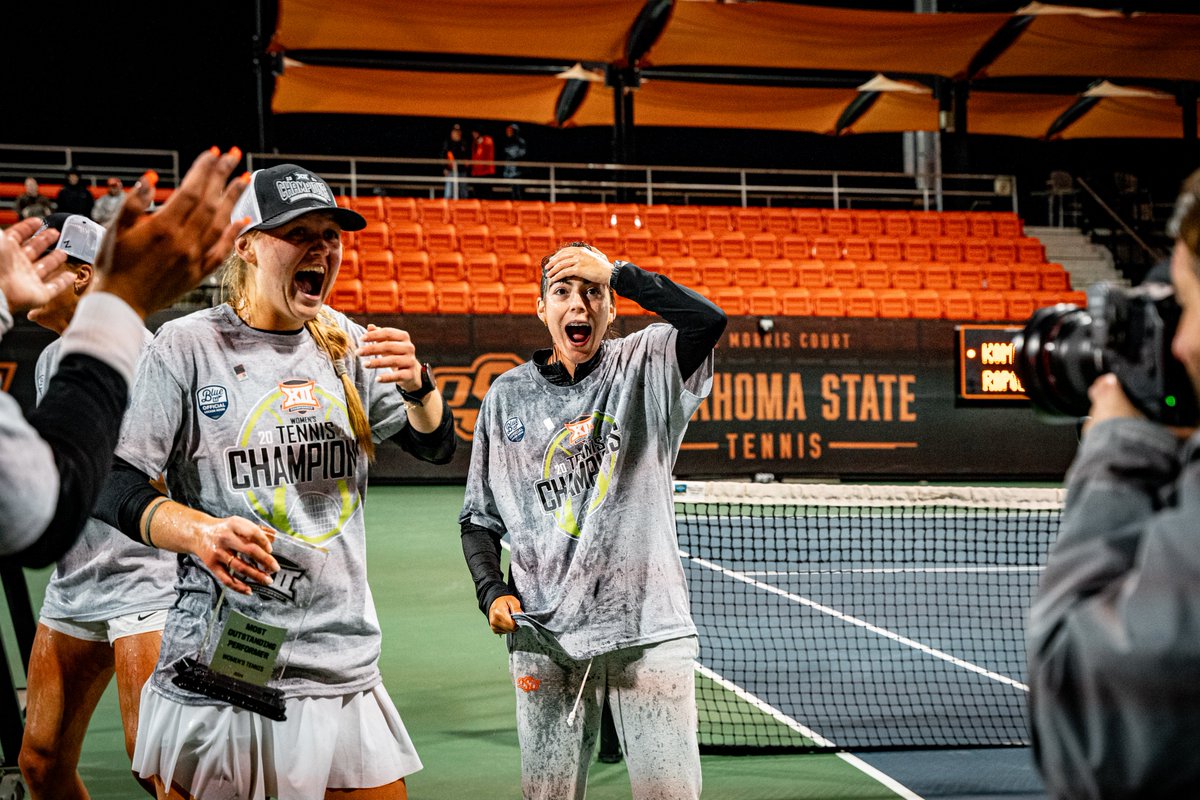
<point x="216" y="752"/>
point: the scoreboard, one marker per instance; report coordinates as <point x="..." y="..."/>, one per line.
<point x="985" y="363"/>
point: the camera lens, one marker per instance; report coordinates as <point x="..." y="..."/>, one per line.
<point x="1056" y="360"/>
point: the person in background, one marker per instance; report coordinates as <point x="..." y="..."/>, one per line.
<point x="514" y="150"/>
<point x="74" y="197"/>
<point x="273" y="374"/>
<point x="572" y="459"/>
<point x="483" y="152"/>
<point x="1114" y="631"/>
<point x="32" y="203"/>
<point x="109" y="203"/>
<point x="106" y="603"/>
<point x="54" y="460"/>
<point x="455" y="152"/>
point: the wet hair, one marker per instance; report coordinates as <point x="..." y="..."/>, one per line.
<point x="1185" y="222"/>
<point x="545" y="284"/>
<point x="333" y="341"/>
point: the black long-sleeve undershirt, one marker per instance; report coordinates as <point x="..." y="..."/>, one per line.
<point x="699" y="324"/>
<point x="80" y="418"/>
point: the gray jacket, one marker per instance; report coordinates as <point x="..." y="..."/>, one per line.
<point x="1114" y="633"/>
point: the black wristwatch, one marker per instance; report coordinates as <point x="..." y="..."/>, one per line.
<point x="417" y="397"/>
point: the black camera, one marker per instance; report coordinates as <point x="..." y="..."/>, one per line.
<point x="1127" y="332"/>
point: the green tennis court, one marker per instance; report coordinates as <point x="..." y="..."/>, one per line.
<point x="448" y="675"/>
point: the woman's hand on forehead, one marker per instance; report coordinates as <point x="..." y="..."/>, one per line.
<point x="579" y="262"/>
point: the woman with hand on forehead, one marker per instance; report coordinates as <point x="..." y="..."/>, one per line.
<point x="263" y="414"/>
<point x="572" y="459"/>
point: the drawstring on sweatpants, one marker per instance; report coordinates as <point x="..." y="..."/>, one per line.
<point x="579" y="696"/>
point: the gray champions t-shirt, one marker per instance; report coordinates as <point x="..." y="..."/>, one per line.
<point x="254" y="424"/>
<point x="105" y="574"/>
<point x="579" y="477"/>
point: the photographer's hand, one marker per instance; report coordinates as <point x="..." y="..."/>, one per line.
<point x="1109" y="401"/>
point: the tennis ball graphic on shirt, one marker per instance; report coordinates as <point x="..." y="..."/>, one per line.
<point x="577" y="470"/>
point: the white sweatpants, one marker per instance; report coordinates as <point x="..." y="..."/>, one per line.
<point x="652" y="693"/>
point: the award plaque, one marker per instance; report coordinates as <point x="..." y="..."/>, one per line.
<point x="248" y="641"/>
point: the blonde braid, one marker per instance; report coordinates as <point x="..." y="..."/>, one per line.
<point x="336" y="344"/>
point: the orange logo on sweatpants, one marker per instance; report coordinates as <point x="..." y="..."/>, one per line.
<point x="528" y="683"/>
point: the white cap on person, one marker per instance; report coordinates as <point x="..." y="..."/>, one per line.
<point x="78" y="236"/>
<point x="279" y="194"/>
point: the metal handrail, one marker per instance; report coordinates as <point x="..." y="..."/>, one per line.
<point x="1150" y="251"/>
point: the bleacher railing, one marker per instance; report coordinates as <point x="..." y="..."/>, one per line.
<point x="50" y="163"/>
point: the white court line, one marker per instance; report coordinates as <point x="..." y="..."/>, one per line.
<point x="895" y="570"/>
<point x="833" y="612"/>
<point x="770" y="710"/>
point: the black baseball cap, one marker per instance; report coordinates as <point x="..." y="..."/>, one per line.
<point x="279" y="194"/>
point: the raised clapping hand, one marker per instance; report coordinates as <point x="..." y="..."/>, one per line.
<point x="579" y="262"/>
<point x="500" y="614"/>
<point x="150" y="260"/>
<point x="30" y="276"/>
<point x="392" y="352"/>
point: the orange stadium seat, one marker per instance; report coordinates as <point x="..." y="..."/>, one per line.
<point x="686" y="219"/>
<point x="981" y="225"/>
<point x="567" y="235"/>
<point x="839" y="223"/>
<point x="968" y="276"/>
<point x="594" y="216"/>
<point x="625" y="217"/>
<point x="1054" y="278"/>
<point x="412" y="265"/>
<point x="1043" y="299"/>
<point x="447" y="267"/>
<point x="377" y="265"/>
<point x="936" y="276"/>
<point x="842" y="274"/>
<point x="990" y="306"/>
<point x="733" y="244"/>
<point x="998" y="276"/>
<point x="779" y="272"/>
<point x="498" y="212"/>
<point x="522" y="298"/>
<point x="907" y="276"/>
<point x="482" y="268"/>
<point x="761" y="301"/>
<point x="925" y="303"/>
<point x="1008" y="225"/>
<point x="517" y="268"/>
<point x="748" y="220"/>
<point x="465" y="212"/>
<point x="381" y="297"/>
<point x="857" y="248"/>
<point x="731" y="299"/>
<point x="347" y="296"/>
<point x="955" y="225"/>
<point x="453" y="297"/>
<point x="1026" y="277"/>
<point x="778" y="221"/>
<point x="432" y="211"/>
<point x="715" y="272"/>
<point x="349" y="267"/>
<point x="374" y="236"/>
<point x="400" y="209"/>
<point x="975" y="250"/>
<point x="958" y="304"/>
<point x="1075" y="298"/>
<point x="440" y="237"/>
<point x="562" y="215"/>
<point x="795" y="301"/>
<point x="1030" y="250"/>
<point x="474" y="239"/>
<point x="747" y="272"/>
<point x="656" y="219"/>
<point x="507" y="240"/>
<point x="927" y="224"/>
<point x="540" y="241"/>
<point x="638" y="244"/>
<point x="683" y="270"/>
<point x="652" y="264"/>
<point x="794" y="246"/>
<point x="628" y="308"/>
<point x="370" y="207"/>
<point x="764" y="245"/>
<point x="811" y="274"/>
<point x="702" y="244"/>
<point x="670" y="243"/>
<point x="1019" y="305"/>
<point x="860" y="302"/>
<point x="868" y="223"/>
<point x="947" y="250"/>
<point x="488" y="298"/>
<point x="916" y="248"/>
<point x="406" y="235"/>
<point x="874" y="275"/>
<point x="606" y="240"/>
<point x="1002" y="251"/>
<point x="892" y="303"/>
<point x="417" y="297"/>
<point x="530" y="214"/>
<point x="718" y="219"/>
<point x="898" y="224"/>
<point x="828" y="302"/>
<point x="826" y="248"/>
<point x="808" y="222"/>
<point x="889" y="248"/>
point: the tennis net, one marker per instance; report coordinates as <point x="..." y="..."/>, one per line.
<point x="838" y="617"/>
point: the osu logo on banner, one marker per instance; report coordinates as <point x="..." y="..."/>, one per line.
<point x="463" y="388"/>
